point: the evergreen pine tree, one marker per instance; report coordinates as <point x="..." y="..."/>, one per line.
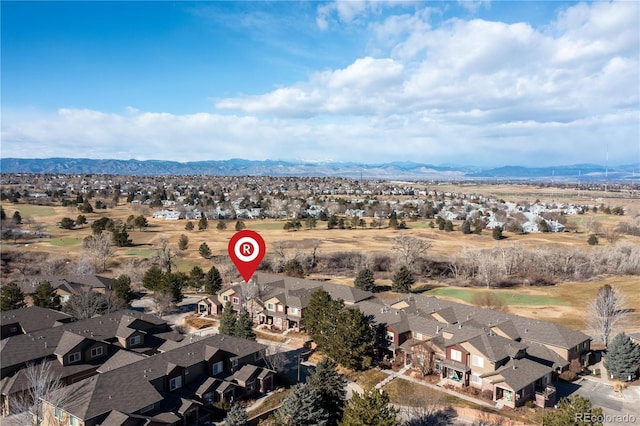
<point x="203" y="224"/>
<point x="623" y="358"/>
<point x="365" y="280"/>
<point x="172" y="283"/>
<point x="196" y="277"/>
<point x="228" y="320"/>
<point x="497" y="233"/>
<point x="331" y="386"/>
<point x="393" y="221"/>
<point x="17" y="218"/>
<point x="236" y="416"/>
<point x="466" y="227"/>
<point x="11" y="297"/>
<point x="212" y="281"/>
<point x="122" y="290"/>
<point x="189" y="226"/>
<point x="244" y="326"/>
<point x="370" y="409"/>
<point x="240" y="225"/>
<point x="352" y="344"/>
<point x="183" y="242"/>
<point x="293" y="268"/>
<point x="204" y="250"/>
<point x="403" y="280"/>
<point x="565" y="414"/>
<point x="152" y="278"/>
<point x="121" y="237"/>
<point x="302" y="407"/>
<point x="46" y="296"/>
<point x="321" y="316"/>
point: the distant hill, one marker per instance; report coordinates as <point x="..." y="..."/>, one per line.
<point x="241" y="167"/>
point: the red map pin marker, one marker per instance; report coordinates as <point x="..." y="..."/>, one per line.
<point x="246" y="250"/>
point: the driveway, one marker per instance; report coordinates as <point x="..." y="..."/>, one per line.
<point x="601" y="394"/>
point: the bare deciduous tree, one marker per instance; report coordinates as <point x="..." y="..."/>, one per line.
<point x="275" y="358"/>
<point x="163" y="302"/>
<point x="593" y="226"/>
<point x="165" y="255"/>
<point x="84" y="266"/>
<point x="41" y="383"/>
<point x="612" y="234"/>
<point x="409" y="249"/>
<point x="100" y="247"/>
<point x="607" y="312"/>
<point x="87" y="304"/>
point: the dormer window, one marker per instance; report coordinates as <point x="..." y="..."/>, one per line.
<point x="175" y="383"/>
<point x="97" y="351"/>
<point x="270" y="306"/>
<point x="134" y="340"/>
<point x="74" y="357"/>
<point x="225" y="298"/>
<point x="236" y="301"/>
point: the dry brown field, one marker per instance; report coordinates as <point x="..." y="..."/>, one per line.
<point x="68" y="243"/>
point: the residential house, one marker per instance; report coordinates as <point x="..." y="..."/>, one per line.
<point x="67" y="285"/>
<point x="515" y="358"/>
<point x="279" y="302"/>
<point x="30" y="319"/>
<point x="173" y="387"/>
<point x="77" y="349"/>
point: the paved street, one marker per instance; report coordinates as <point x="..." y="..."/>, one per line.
<point x="601" y="394"/>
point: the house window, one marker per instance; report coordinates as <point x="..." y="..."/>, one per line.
<point x="57" y="413"/>
<point x="74" y="357"/>
<point x="236" y="301"/>
<point x="218" y="367"/>
<point x="475" y="378"/>
<point x="13" y="330"/>
<point x="280" y="308"/>
<point x="294" y="311"/>
<point x="134" y="340"/>
<point x="74" y="421"/>
<point x="390" y="335"/>
<point x="175" y="383"/>
<point x="456" y="355"/>
<point x="225" y="298"/>
<point x="270" y="306"/>
<point x="96" y="352"/>
<point x="278" y="320"/>
<point x="477" y="361"/>
<point x="418" y="336"/>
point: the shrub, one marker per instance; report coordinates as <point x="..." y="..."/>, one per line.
<point x="575" y="366"/>
<point x="568" y="376"/>
<point x="487" y="394"/>
<point x="530" y="404"/>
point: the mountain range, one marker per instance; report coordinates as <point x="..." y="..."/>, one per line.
<point x="387" y="171"/>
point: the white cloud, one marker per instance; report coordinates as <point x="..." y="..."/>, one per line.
<point x="464" y="91"/>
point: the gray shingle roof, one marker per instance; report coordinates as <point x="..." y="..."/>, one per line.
<point x="495" y="348"/>
<point x="518" y="373"/>
<point x="33" y="318"/>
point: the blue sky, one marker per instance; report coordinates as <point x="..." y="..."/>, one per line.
<point x="473" y="82"/>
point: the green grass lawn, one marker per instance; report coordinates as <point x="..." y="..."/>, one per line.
<point x="508" y="297"/>
<point x="65" y="241"/>
<point x="140" y="252"/>
<point x="34" y="211"/>
<point x="262" y="226"/>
